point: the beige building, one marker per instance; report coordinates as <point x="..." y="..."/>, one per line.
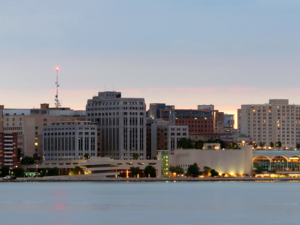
<point x="29" y="123"/>
<point x="271" y="122"/>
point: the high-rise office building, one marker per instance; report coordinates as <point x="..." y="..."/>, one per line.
<point x="272" y="122"/>
<point x="122" y="122"/>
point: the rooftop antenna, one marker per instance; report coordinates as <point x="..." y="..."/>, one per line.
<point x="57" y="103"/>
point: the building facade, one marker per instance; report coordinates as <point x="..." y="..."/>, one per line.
<point x="228" y="123"/>
<point x="69" y="140"/>
<point x="8" y="149"/>
<point x="276" y="121"/>
<point x="122" y="122"/>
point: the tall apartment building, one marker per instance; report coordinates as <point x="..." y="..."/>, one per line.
<point x="122" y="122"/>
<point x="28" y="124"/>
<point x="276" y="121"/>
<point x="8" y="149"/>
<point x="198" y="121"/>
<point x="163" y="135"/>
<point x="69" y="140"/>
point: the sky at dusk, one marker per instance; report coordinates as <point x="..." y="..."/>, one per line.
<point x="183" y="53"/>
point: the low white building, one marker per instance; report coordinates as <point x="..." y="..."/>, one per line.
<point x="229" y="161"/>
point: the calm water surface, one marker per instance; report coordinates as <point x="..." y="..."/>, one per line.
<point x="150" y="203"/>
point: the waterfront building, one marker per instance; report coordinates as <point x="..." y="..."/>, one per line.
<point x="8" y="149"/>
<point x="69" y="140"/>
<point x="122" y="122"/>
<point x="228" y="161"/>
<point x="29" y="123"/>
<point x="272" y="122"/>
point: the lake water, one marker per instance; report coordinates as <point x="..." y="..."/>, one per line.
<point x="156" y="203"/>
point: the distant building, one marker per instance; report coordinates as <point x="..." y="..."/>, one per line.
<point x="206" y="107"/>
<point x="271" y="122"/>
<point x="163" y="135"/>
<point x="122" y="122"/>
<point x="69" y="140"/>
<point x="155" y="109"/>
<point x="198" y="121"/>
<point x="228" y="123"/>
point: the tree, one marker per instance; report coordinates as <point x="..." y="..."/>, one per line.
<point x="254" y="145"/>
<point x="206" y="170"/>
<point x="50" y="171"/>
<point x="86" y="156"/>
<point x="257" y="168"/>
<point x="185" y="143"/>
<point x="19" y="153"/>
<point x="135" y="171"/>
<point x="271" y="144"/>
<point x="27" y="160"/>
<point x="76" y="171"/>
<point x="278" y="144"/>
<point x="214" y="173"/>
<point x="193" y="170"/>
<point x="233" y="145"/>
<point x="261" y="145"/>
<point x="150" y="170"/>
<point x="298" y="146"/>
<point x="135" y="156"/>
<point x="18" y="172"/>
<point x="199" y="144"/>
<point x="4" y="171"/>
<point x="176" y="169"/>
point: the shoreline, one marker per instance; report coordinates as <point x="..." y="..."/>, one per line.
<point x="57" y="179"/>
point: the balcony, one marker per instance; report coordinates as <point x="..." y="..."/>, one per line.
<point x="5" y="140"/>
<point x="8" y="164"/>
<point x="8" y="136"/>
<point x="6" y="144"/>
<point x="8" y="156"/>
<point x="8" y="160"/>
<point x="8" y="152"/>
<point x="7" y="148"/>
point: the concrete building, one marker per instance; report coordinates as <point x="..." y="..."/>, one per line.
<point x="101" y="166"/>
<point x="28" y="123"/>
<point x="224" y="161"/>
<point x="69" y="140"/>
<point x="8" y="149"/>
<point x="272" y="122"/>
<point x="122" y="122"/>
<point x="163" y="135"/>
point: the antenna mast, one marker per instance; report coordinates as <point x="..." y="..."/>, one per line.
<point x="57" y="103"/>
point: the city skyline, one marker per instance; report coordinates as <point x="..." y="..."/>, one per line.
<point x="185" y="54"/>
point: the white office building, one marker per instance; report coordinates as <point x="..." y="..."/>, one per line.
<point x="275" y="121"/>
<point x="122" y="122"/>
<point x="69" y="140"/>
